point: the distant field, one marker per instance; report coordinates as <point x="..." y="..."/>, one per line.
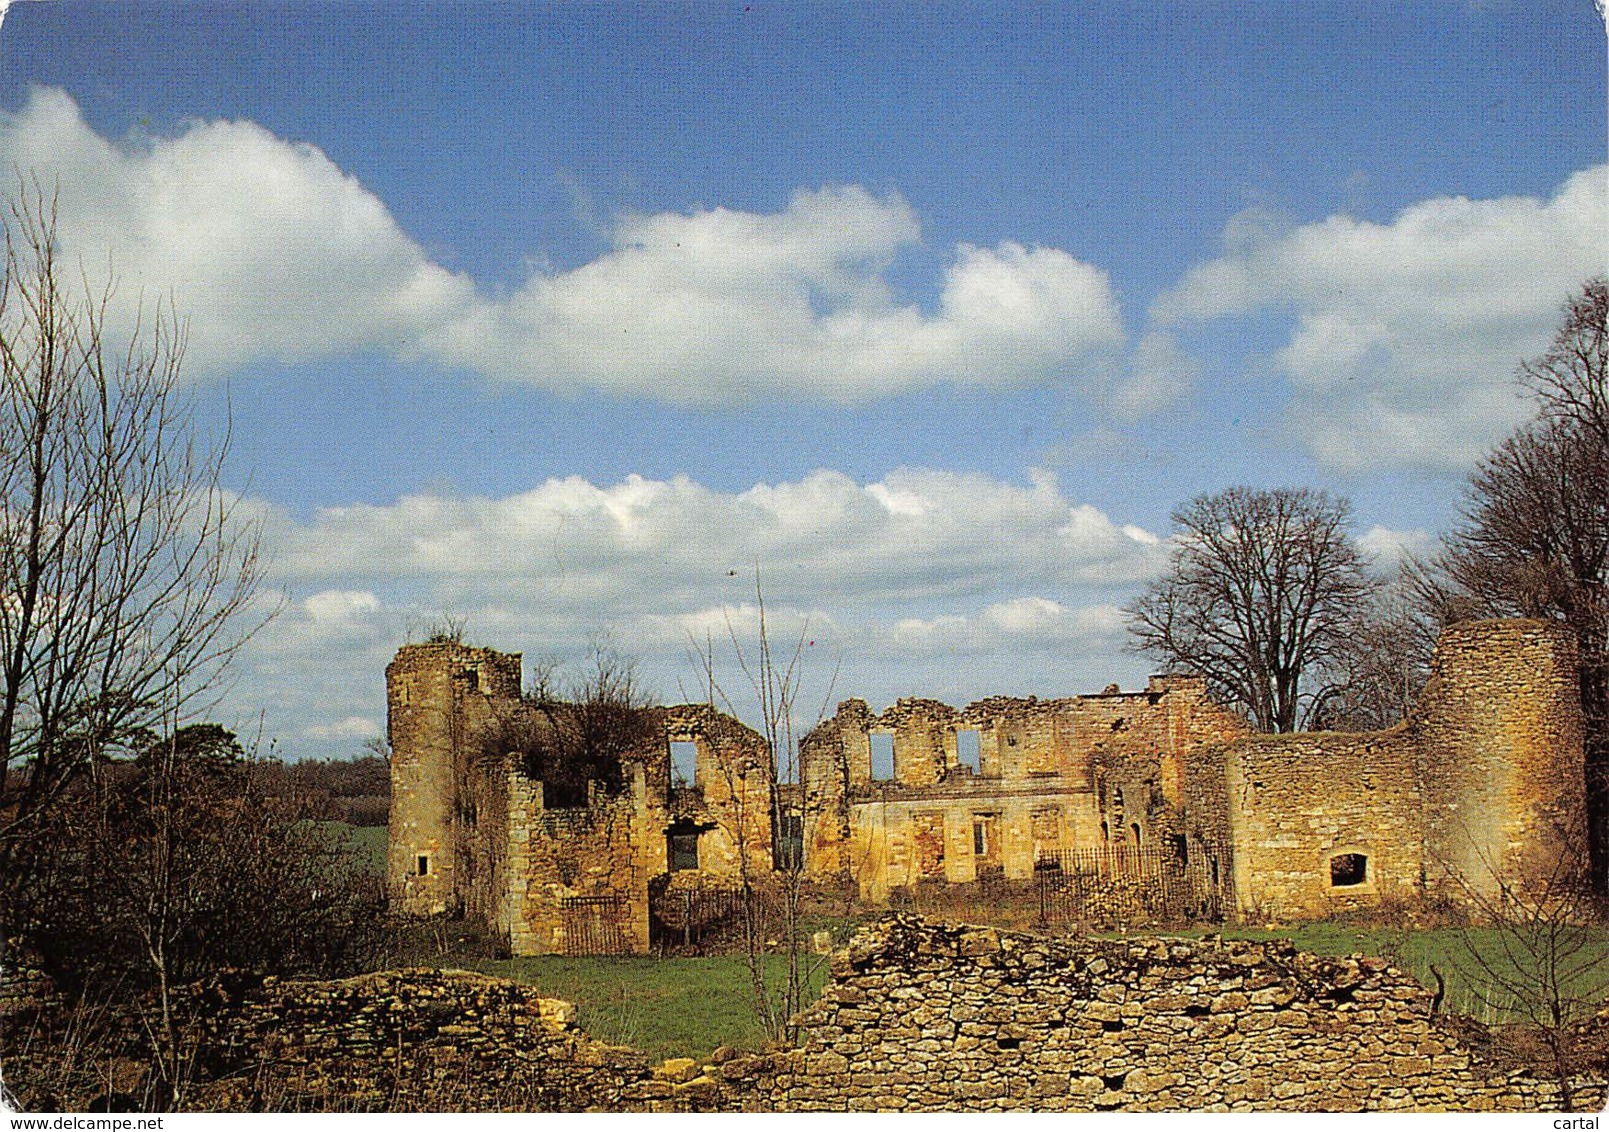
<point x="368" y="842"/>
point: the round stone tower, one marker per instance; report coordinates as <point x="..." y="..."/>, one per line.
<point x="438" y="697"/>
<point x="1501" y="766"/>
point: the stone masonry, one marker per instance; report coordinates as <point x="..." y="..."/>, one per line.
<point x="1484" y="787"/>
<point x="917" y="1017"/>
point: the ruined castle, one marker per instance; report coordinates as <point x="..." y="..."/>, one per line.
<point x="1160" y="790"/>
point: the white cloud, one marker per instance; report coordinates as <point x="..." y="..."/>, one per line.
<point x="340" y="607"/>
<point x="894" y="580"/>
<point x="1160" y="374"/>
<point x="353" y="727"/>
<point x="916" y="533"/>
<point x="1407" y="335"/>
<point x="271" y="251"/>
<point x="1024" y="624"/>
<point x="1389" y="547"/>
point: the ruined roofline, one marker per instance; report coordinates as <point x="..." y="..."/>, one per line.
<point x="993" y="706"/>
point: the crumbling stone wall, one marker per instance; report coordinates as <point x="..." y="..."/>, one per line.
<point x="731" y="800"/>
<point x="918" y="1017"/>
<point x="922" y="1017"/>
<point x="414" y="1040"/>
<point x="1485" y="785"/>
<point x="1052" y="775"/>
<point x="597" y="850"/>
<point x="1325" y="823"/>
<point x="439" y="695"/>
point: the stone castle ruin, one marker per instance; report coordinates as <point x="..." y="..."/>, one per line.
<point x="1141" y="802"/>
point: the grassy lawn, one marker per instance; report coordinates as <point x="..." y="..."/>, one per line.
<point x="1465" y="956"/>
<point x="666" y="1007"/>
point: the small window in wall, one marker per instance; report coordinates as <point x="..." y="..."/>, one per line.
<point x="423" y="866"/>
<point x="882" y="757"/>
<point x="683" y="850"/>
<point x="1348" y="869"/>
<point x="683" y="762"/>
<point x="968" y="752"/>
<point x="1134" y="834"/>
<point x="788" y="852"/>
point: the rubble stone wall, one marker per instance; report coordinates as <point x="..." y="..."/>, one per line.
<point x="1325" y="823"/>
<point x="587" y="851"/>
<point x="921" y="1017"/>
<point x="918" y="1017"/>
<point x="1500" y="754"/>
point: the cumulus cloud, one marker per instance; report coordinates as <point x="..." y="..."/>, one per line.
<point x="1407" y="335"/>
<point x="891" y="581"/>
<point x="1024" y="624"/>
<point x="1160" y="374"/>
<point x="272" y="251"/>
<point x="916" y="533"/>
<point x="1389" y="547"/>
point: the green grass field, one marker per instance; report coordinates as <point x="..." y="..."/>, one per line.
<point x="666" y="1007"/>
<point x="1465" y="956"/>
<point x="688" y="1006"/>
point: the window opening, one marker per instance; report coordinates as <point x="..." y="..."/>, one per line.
<point x="683" y="849"/>
<point x="1134" y="832"/>
<point x="790" y="841"/>
<point x="882" y="757"/>
<point x="1348" y="869"/>
<point x="683" y="762"/>
<point x="968" y="750"/>
<point x="424" y="865"/>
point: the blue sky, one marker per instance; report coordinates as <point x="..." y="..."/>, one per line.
<point x="553" y="316"/>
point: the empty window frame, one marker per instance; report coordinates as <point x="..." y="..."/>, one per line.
<point x="422" y="865"/>
<point x="969" y="751"/>
<point x="985" y="843"/>
<point x="682" y="849"/>
<point x="683" y="762"/>
<point x="882" y="756"/>
<point x="1347" y="870"/>
<point x="788" y="852"/>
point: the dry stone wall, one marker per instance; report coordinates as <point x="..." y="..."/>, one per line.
<point x="917" y="1017"/>
<point x="403" y="1040"/>
<point x="921" y="1017"/>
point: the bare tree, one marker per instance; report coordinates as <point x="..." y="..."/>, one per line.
<point x="1258" y="598"/>
<point x="1534" y="537"/>
<point x="772" y="903"/>
<point x="1382" y="662"/>
<point x="1538" y="954"/>
<point x="123" y="561"/>
<point x="582" y="735"/>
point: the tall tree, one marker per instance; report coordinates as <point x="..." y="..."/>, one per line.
<point x="1534" y="537"/>
<point x="1258" y="598"/>
<point x="123" y="562"/>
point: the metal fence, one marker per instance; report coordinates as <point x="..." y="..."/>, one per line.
<point x="594" y="925"/>
<point x="1119" y="885"/>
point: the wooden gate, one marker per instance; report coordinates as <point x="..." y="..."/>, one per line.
<point x="595" y="925"/>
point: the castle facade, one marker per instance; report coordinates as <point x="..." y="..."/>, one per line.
<point x="1483" y="787"/>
